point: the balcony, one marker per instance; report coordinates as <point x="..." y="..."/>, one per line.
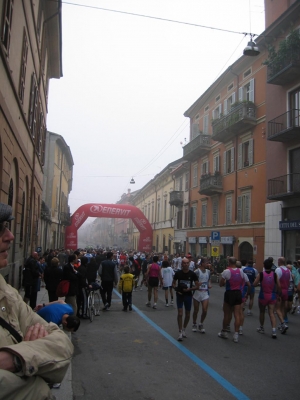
<point x="240" y="118"/>
<point x="65" y="219"/>
<point x="211" y="184"/>
<point x="176" y="198"/>
<point x="285" y="127"/>
<point x="45" y="212"/>
<point x="284" y="70"/>
<point x="197" y="147"/>
<point x="284" y="187"/>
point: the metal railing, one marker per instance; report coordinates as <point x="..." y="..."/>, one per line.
<point x="211" y="182"/>
<point x="288" y="120"/>
<point x="199" y="141"/>
<point x="279" y="65"/>
<point x="176" y="197"/>
<point x="284" y="185"/>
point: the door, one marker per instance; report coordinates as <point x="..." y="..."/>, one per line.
<point x="246" y="251"/>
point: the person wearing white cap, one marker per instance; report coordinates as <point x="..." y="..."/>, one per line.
<point x="27" y="365"/>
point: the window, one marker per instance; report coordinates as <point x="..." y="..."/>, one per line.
<point x="23" y="67"/>
<point x="193" y="216"/>
<point x="248" y="72"/>
<point x="22" y="218"/>
<point x="228" y="161"/>
<point x="245" y="154"/>
<point x="148" y="212"/>
<point x="205" y="168"/>
<point x="179" y="219"/>
<point x="204" y="214"/>
<point x="195" y="175"/>
<point x="247" y="92"/>
<point x="217" y="112"/>
<point x="33" y="105"/>
<point x="228" y="102"/>
<point x="158" y="211"/>
<point x="228" y="210"/>
<point x="230" y="87"/>
<point x="206" y="108"/>
<point x="218" y="98"/>
<point x="7" y="21"/>
<point x="195" y="130"/>
<point x="152" y="212"/>
<point x="244" y="202"/>
<point x="180" y="184"/>
<point x="186" y="217"/>
<point x="215" y="208"/>
<point x="187" y="178"/>
<point x="216" y="163"/>
<point x="205" y="124"/>
<point x="165" y="209"/>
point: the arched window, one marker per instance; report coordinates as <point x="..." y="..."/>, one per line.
<point x="22" y="218"/>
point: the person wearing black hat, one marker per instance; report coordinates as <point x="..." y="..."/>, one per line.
<point x="27" y="365"/>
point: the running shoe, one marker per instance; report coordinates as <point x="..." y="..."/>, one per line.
<point x="167" y="304"/>
<point x="201" y="328"/>
<point x="228" y="328"/>
<point x="274" y="336"/>
<point x="284" y="328"/>
<point x="249" y="313"/>
<point x="280" y="327"/>
<point x="172" y="301"/>
<point x="293" y="309"/>
<point x="194" y="328"/>
<point x="183" y="333"/>
<point x="236" y="338"/>
<point x="141" y="288"/>
<point x="180" y="338"/>
<point x="260" y="329"/>
<point x="154" y="306"/>
<point x="223" y="334"/>
<point x="148" y="304"/>
<point x="241" y="331"/>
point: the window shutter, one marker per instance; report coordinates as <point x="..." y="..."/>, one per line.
<point x="225" y="107"/>
<point x="195" y="130"/>
<point x="239" y="210"/>
<point x="204" y="214"/>
<point x="224" y="163"/>
<point x="247" y="207"/>
<point x="207" y="166"/>
<point x="250" y="156"/>
<point x="215" y="164"/>
<point x="205" y="124"/>
<point x="241" y="94"/>
<point x="240" y="155"/>
<point x="220" y="109"/>
<point x="228" y="210"/>
<point x="233" y="97"/>
<point x="232" y="159"/>
<point x="215" y="211"/>
<point x="251" y="92"/>
<point x="202" y="168"/>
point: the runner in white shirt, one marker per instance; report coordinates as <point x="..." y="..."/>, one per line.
<point x="167" y="274"/>
<point x="201" y="295"/>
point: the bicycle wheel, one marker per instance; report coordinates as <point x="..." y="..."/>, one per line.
<point x="96" y="303"/>
<point x="90" y="308"/>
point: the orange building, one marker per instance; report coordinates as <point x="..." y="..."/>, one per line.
<point x="282" y="37"/>
<point x="227" y="153"/>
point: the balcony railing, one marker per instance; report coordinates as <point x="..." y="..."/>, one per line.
<point x="285" y="127"/>
<point x="198" y="146"/>
<point x="241" y="118"/>
<point x="65" y="218"/>
<point x="286" y="186"/>
<point x="176" y="198"/>
<point x="211" y="184"/>
<point x="45" y="212"/>
<point x="284" y="70"/>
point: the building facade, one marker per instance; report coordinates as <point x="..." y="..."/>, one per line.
<point x="30" y="55"/>
<point x="282" y="39"/>
<point x="226" y="152"/>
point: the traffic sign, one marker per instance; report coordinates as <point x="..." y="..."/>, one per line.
<point x="215" y="236"/>
<point x="215" y="251"/>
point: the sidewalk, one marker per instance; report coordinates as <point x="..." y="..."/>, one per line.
<point x="65" y="391"/>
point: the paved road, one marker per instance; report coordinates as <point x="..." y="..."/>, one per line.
<point x="136" y="356"/>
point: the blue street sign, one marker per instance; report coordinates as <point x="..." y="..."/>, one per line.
<point x="215" y="236"/>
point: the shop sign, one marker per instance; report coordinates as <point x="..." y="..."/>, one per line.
<point x="215" y="251"/>
<point x="192" y="239"/>
<point x="291" y="225"/>
<point x="202" y="239"/>
<point x="227" y="239"/>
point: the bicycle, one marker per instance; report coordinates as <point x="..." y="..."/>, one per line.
<point x="93" y="302"/>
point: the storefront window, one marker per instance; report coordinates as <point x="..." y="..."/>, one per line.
<point x="227" y="250"/>
<point x="203" y="249"/>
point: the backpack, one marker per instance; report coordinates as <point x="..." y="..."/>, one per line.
<point x="63" y="288"/>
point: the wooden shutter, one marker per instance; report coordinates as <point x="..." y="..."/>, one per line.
<point x="195" y="130"/>
<point x="224" y="163"/>
<point x="205" y="124"/>
<point x="240" y="156"/>
<point x="250" y="155"/>
<point x="228" y="210"/>
<point x="215" y="211"/>
<point x="247" y="207"/>
<point x="241" y="94"/>
<point x="225" y="107"/>
<point x="239" y="210"/>
<point x="232" y="159"/>
<point x="251" y="92"/>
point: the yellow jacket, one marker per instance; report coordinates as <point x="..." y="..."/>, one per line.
<point x="126" y="283"/>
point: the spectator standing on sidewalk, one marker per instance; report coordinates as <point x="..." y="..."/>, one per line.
<point x="52" y="276"/>
<point x="71" y="274"/>
<point x="109" y="277"/>
<point x="27" y="365"/>
<point x="31" y="276"/>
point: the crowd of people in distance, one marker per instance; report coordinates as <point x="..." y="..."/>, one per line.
<point x="185" y="280"/>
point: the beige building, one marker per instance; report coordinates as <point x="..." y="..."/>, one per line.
<point x="58" y="177"/>
<point x="30" y="55"/>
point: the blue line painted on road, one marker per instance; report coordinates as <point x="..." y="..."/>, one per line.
<point x="211" y="372"/>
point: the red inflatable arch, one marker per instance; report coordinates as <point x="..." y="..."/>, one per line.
<point x="110" y="211"/>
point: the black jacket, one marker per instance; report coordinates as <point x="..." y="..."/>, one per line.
<point x="70" y="275"/>
<point x="52" y="277"/>
<point x="31" y="272"/>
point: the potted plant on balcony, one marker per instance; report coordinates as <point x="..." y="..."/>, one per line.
<point x="205" y="175"/>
